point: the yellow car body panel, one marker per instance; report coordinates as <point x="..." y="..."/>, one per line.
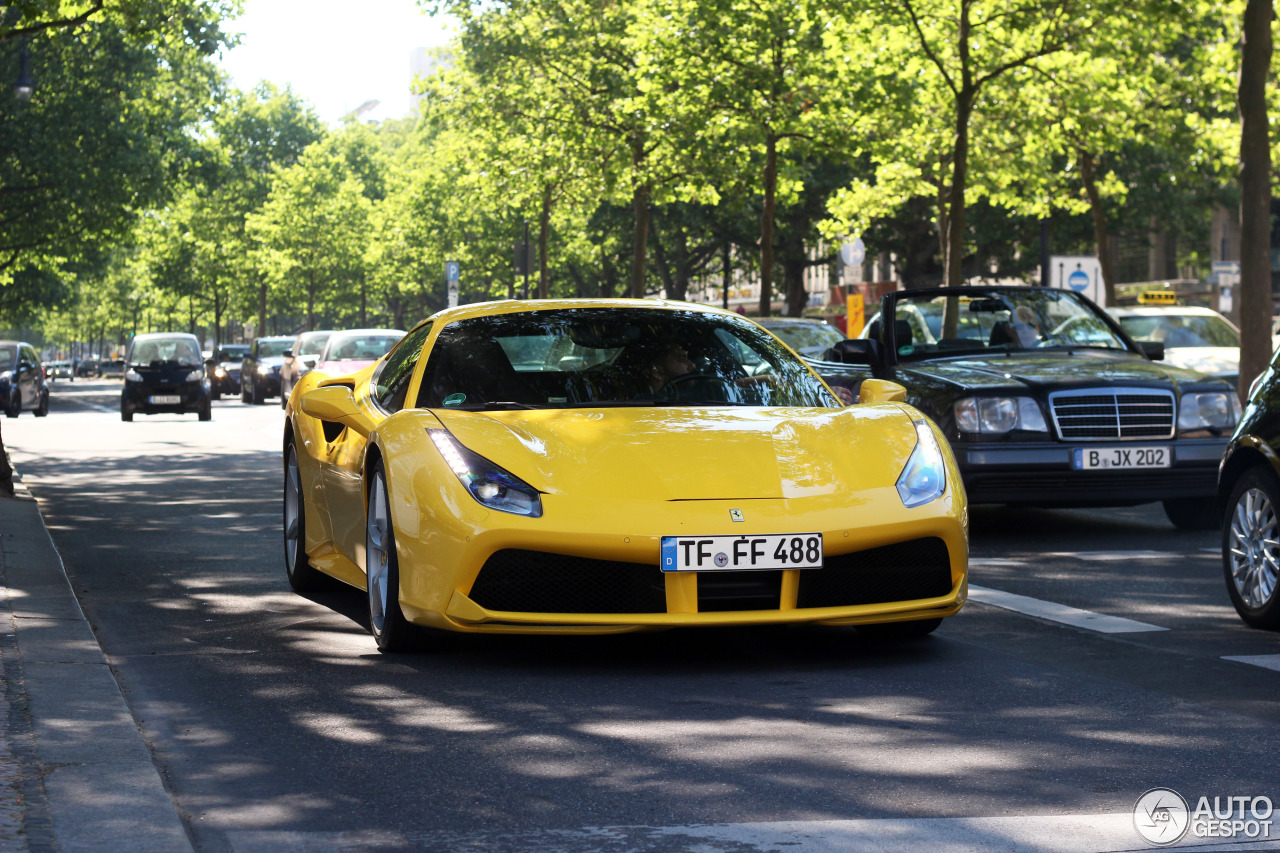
<point x="613" y="482"/>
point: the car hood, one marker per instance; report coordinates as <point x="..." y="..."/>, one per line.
<point x="694" y="454"/>
<point x="1032" y="370"/>
<point x="271" y="360"/>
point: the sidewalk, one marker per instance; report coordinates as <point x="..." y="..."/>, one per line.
<point x="75" y="774"/>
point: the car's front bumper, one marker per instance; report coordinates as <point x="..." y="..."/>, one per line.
<point x="137" y="397"/>
<point x="1042" y="474"/>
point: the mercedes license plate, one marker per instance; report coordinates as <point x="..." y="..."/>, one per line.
<point x="741" y="553"/>
<point x="1093" y="458"/>
<point x="165" y="399"/>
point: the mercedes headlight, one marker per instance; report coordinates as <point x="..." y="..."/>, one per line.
<point x="925" y="477"/>
<point x="196" y="375"/>
<point x="489" y="484"/>
<point x="132" y="375"/>
<point x="1216" y="410"/>
<point x="998" y="415"/>
<point x="264" y="369"/>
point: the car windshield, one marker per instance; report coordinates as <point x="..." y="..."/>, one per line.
<point x="927" y="325"/>
<point x="367" y="347"/>
<point x="592" y="357"/>
<point x="180" y="351"/>
<point x="808" y="339"/>
<point x="233" y="353"/>
<point x="269" y="348"/>
<point x="312" y="345"/>
<point x="1181" y="330"/>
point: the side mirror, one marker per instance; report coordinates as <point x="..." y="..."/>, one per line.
<point x="881" y="391"/>
<point x="856" y="351"/>
<point x="336" y="404"/>
<point x="1153" y="350"/>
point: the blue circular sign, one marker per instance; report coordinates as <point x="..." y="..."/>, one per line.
<point x="1078" y="281"/>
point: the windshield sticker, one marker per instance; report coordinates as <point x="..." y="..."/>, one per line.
<point x="455" y="399"/>
<point x="907" y="350"/>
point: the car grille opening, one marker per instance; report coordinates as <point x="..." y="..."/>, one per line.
<point x="719" y="592"/>
<point x="1102" y="415"/>
<point x="539" y="582"/>
<point x="906" y="571"/>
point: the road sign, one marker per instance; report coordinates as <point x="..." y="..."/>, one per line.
<point x="853" y="252"/>
<point x="1226" y="273"/>
<point x="1079" y="273"/>
<point x="451" y="272"/>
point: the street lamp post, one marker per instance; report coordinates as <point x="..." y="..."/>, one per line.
<point x="25" y="86"/>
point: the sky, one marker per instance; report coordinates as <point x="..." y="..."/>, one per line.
<point x="337" y="54"/>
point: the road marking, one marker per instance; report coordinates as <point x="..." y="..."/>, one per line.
<point x="1264" y="661"/>
<point x="1114" y="556"/>
<point x="1060" y="613"/>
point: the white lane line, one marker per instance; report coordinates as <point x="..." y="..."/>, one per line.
<point x="1060" y="613"/>
<point x="1264" y="661"/>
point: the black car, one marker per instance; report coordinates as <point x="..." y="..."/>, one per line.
<point x="1249" y="486"/>
<point x="1047" y="401"/>
<point x="224" y="369"/>
<point x="299" y="358"/>
<point x="260" y="370"/>
<point x="22" y="380"/>
<point x="87" y="368"/>
<point x="165" y="373"/>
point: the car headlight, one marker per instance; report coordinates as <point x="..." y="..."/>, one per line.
<point x="925" y="477"/>
<point x="998" y="415"/>
<point x="263" y="369"/>
<point x="196" y="375"/>
<point x="1215" y="410"/>
<point x="6" y="376"/>
<point x="219" y="372"/>
<point x="489" y="484"/>
<point x="132" y="375"/>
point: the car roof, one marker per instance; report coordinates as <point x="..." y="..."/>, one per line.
<point x="152" y="336"/>
<point x="276" y="338"/>
<point x="514" y="306"/>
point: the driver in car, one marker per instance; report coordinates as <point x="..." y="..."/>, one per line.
<point x="671" y="362"/>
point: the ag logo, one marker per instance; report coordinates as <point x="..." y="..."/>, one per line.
<point x="736" y="515"/>
<point x="1161" y="816"/>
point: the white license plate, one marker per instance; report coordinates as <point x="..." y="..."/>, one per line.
<point x="165" y="399"/>
<point x="741" y="553"/>
<point x="1092" y="458"/>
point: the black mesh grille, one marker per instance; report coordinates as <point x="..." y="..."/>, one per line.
<point x="537" y="582"/>
<point x="722" y="591"/>
<point x="907" y="571"/>
<point x="1113" y="415"/>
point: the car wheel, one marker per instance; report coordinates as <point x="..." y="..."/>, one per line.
<point x="15" y="404"/>
<point x="43" y="408"/>
<point x="256" y="394"/>
<point x="302" y="577"/>
<point x="391" y="631"/>
<point x="1194" y="513"/>
<point x="244" y="393"/>
<point x="900" y="630"/>
<point x="126" y="413"/>
<point x="215" y="395"/>
<point x="205" y="412"/>
<point x="1251" y="548"/>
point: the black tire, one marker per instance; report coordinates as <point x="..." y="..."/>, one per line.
<point x="43" y="409"/>
<point x="1194" y="513"/>
<point x="1250" y="567"/>
<point x="900" y="630"/>
<point x="15" y="404"/>
<point x="391" y="631"/>
<point x="205" y="412"/>
<point x="244" y="392"/>
<point x="256" y="394"/>
<point x="215" y="395"/>
<point x="126" y="413"/>
<point x="302" y="576"/>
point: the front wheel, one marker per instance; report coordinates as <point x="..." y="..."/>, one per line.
<point x="126" y="413"/>
<point x="1251" y="548"/>
<point x="205" y="412"/>
<point x="302" y="577"/>
<point x="256" y="394"/>
<point x="15" y="404"/>
<point x="391" y="631"/>
<point x="43" y="408"/>
<point x="1194" y="513"/>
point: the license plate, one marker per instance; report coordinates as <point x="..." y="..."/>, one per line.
<point x="1093" y="458"/>
<point x="741" y="553"/>
<point x="165" y="399"/>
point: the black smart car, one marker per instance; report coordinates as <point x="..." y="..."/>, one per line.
<point x="1249" y="486"/>
<point x="1047" y="401"/>
<point x="224" y="369"/>
<point x="165" y="373"/>
<point x="260" y="369"/>
<point x="22" y="380"/>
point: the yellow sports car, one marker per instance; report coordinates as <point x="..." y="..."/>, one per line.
<point x="598" y="466"/>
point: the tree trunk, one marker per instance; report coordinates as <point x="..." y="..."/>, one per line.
<point x="1255" y="194"/>
<point x="262" y="307"/>
<point x="954" y="260"/>
<point x="640" y="210"/>
<point x="1088" y="177"/>
<point x="544" y="240"/>
<point x="766" y="224"/>
<point x="311" y="301"/>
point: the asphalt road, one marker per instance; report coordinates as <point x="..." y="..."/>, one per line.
<point x="277" y="725"/>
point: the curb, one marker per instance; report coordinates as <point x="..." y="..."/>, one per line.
<point x="95" y="786"/>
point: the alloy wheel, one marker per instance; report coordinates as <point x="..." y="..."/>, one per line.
<point x="1254" y="548"/>
<point x="377" y="559"/>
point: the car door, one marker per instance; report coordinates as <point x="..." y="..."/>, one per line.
<point x="29" y="378"/>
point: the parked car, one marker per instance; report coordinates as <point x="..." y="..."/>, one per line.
<point x="22" y="380"/>
<point x="1249" y="487"/>
<point x="223" y="365"/>
<point x="347" y="352"/>
<point x="1047" y="401"/>
<point x="59" y="370"/>
<point x="260" y="370"/>
<point x="536" y="481"/>
<point x="300" y="357"/>
<point x="1198" y="339"/>
<point x="87" y="368"/>
<point x="808" y="337"/>
<point x="165" y="373"/>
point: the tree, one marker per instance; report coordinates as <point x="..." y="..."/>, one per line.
<point x="1255" y="193"/>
